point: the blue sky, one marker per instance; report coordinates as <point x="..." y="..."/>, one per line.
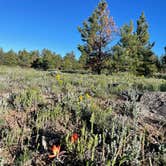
<point x="52" y="24"/>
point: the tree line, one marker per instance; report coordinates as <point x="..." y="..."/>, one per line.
<point x="132" y="53"/>
<point x="45" y="59"/>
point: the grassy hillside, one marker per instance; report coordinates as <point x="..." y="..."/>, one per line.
<point x="78" y="114"/>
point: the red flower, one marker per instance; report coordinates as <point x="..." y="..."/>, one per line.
<point x="74" y="137"/>
<point x="55" y="151"/>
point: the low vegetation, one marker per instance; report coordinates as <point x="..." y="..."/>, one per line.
<point x="60" y="119"/>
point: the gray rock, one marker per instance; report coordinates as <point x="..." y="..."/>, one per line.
<point x="131" y="95"/>
<point x="152" y="105"/>
<point x="155" y="102"/>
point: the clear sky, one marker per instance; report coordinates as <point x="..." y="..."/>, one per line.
<point x="52" y="24"/>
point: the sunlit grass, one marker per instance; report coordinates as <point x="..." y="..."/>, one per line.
<point x="37" y="105"/>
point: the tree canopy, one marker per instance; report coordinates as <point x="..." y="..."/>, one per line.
<point x="97" y="33"/>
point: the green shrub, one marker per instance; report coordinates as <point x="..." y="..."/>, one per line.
<point x="27" y="99"/>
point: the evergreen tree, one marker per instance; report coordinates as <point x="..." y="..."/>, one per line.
<point x="134" y="51"/>
<point x="57" y="61"/>
<point x="24" y="58"/>
<point x="142" y="30"/>
<point x="82" y="61"/>
<point x="1" y="56"/>
<point x="10" y="58"/>
<point x="130" y="59"/>
<point x="70" y="62"/>
<point x="34" y="55"/>
<point x="48" y="62"/>
<point x="96" y="33"/>
<point x="117" y="62"/>
<point x="38" y="63"/>
<point x="125" y="57"/>
<point x="163" y="60"/>
<point x="146" y="56"/>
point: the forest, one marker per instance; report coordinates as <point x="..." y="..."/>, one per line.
<point x="133" y="52"/>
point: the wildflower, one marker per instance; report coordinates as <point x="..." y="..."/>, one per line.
<point x="88" y="96"/>
<point x="80" y="98"/>
<point x="55" y="151"/>
<point x="58" y="77"/>
<point x="74" y="137"/>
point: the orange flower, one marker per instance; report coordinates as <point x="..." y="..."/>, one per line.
<point x="55" y="151"/>
<point x="74" y="137"/>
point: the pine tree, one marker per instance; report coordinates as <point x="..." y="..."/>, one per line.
<point x="97" y="32"/>
<point x="69" y="62"/>
<point x="10" y="58"/>
<point x="82" y="61"/>
<point x="163" y="60"/>
<point x="145" y="53"/>
<point x="142" y="30"/>
<point x="129" y="45"/>
<point x="125" y="55"/>
<point x="1" y="56"/>
<point x="134" y="51"/>
<point x="48" y="62"/>
<point x="25" y="58"/>
<point x="116" y="60"/>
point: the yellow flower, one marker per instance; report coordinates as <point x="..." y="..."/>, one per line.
<point x="58" y="77"/>
<point x="80" y="98"/>
<point x="88" y="96"/>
